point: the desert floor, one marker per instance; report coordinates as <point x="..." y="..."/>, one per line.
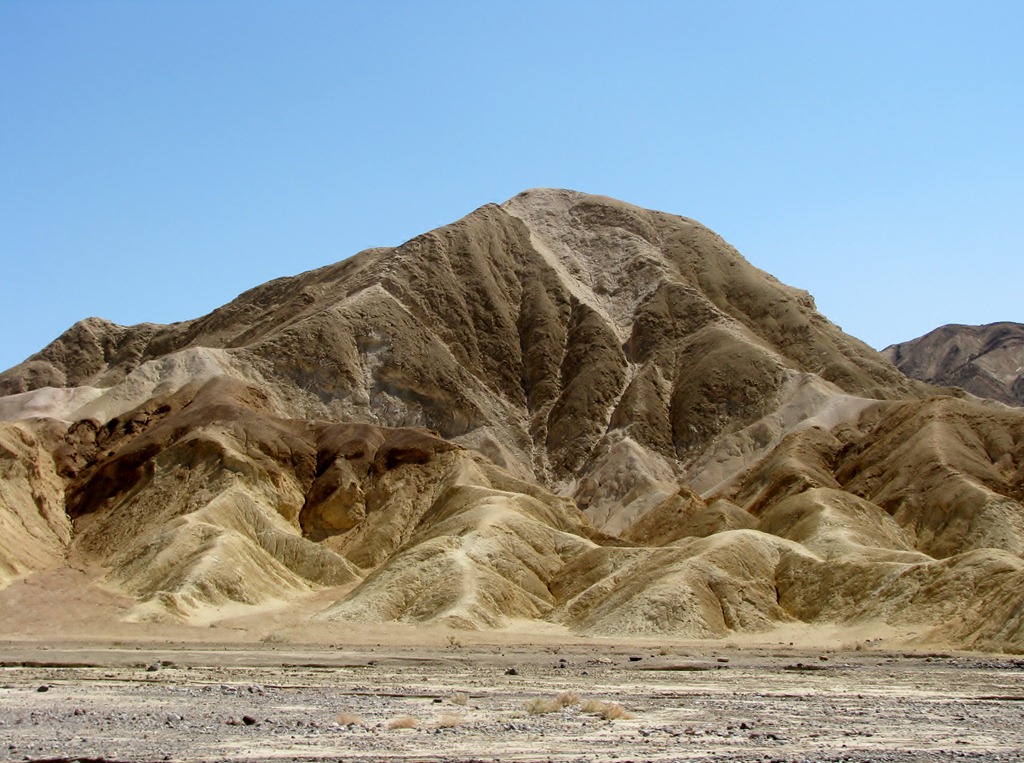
<point x="456" y="698"/>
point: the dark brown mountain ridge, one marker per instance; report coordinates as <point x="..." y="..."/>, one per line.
<point x="987" y="361"/>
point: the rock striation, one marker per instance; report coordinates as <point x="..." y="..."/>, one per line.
<point x="562" y="409"/>
<point x="987" y="361"/>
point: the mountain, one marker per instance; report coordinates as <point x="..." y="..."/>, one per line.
<point x="562" y="410"/>
<point x="987" y="361"/>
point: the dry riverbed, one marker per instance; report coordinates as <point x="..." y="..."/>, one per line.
<point x="578" y="702"/>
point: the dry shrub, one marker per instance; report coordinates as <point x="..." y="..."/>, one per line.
<point x="541" y="705"/>
<point x="403" y="722"/>
<point x="608" y="711"/>
<point x="449" y="721"/>
<point x="567" y="698"/>
<point x="349" y="719"/>
<point x="459" y="698"/>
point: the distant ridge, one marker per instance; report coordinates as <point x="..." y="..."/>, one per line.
<point x="987" y="361"/>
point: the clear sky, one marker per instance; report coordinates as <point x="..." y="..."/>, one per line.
<point x="157" y="158"/>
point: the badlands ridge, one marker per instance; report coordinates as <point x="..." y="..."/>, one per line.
<point x="563" y="412"/>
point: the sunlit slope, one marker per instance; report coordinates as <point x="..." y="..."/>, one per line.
<point x="563" y="409"/>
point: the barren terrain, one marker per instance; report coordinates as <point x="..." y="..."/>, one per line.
<point x="566" y="479"/>
<point x="987" y="361"/>
<point x="456" y="701"/>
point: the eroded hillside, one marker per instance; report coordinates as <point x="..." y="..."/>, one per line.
<point x="563" y="409"/>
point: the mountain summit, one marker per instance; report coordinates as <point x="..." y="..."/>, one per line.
<point x="563" y="408"/>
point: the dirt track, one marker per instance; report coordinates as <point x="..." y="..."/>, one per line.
<point x="470" y="704"/>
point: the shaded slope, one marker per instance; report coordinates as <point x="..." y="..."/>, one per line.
<point x="987" y="361"/>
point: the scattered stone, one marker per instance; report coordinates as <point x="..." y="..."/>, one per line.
<point x="44" y="687"/>
<point x="511" y="672"/>
<point x="248" y="720"/>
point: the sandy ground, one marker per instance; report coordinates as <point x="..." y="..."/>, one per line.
<point x="271" y="685"/>
<point x="152" y="701"/>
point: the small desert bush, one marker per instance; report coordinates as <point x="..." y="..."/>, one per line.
<point x="543" y="705"/>
<point x="349" y="719"/>
<point x="608" y="711"/>
<point x="567" y="698"/>
<point x="403" y="722"/>
<point x="449" y="721"/>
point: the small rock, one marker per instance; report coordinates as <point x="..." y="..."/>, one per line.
<point x="511" y="672"/>
<point x="154" y="667"/>
<point x="44" y="687"/>
<point x="635" y="658"/>
<point x="248" y="720"/>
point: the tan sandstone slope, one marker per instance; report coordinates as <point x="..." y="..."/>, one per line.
<point x="563" y="409"/>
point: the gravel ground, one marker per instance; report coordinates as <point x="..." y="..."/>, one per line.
<point x="481" y="704"/>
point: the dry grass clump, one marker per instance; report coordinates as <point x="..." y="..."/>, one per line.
<point x="349" y="719"/>
<point x="542" y="705"/>
<point x="449" y="721"/>
<point x="403" y="722"/>
<point x="567" y="698"/>
<point x="608" y="711"/>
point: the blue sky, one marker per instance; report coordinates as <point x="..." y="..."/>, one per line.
<point x="158" y="158"/>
